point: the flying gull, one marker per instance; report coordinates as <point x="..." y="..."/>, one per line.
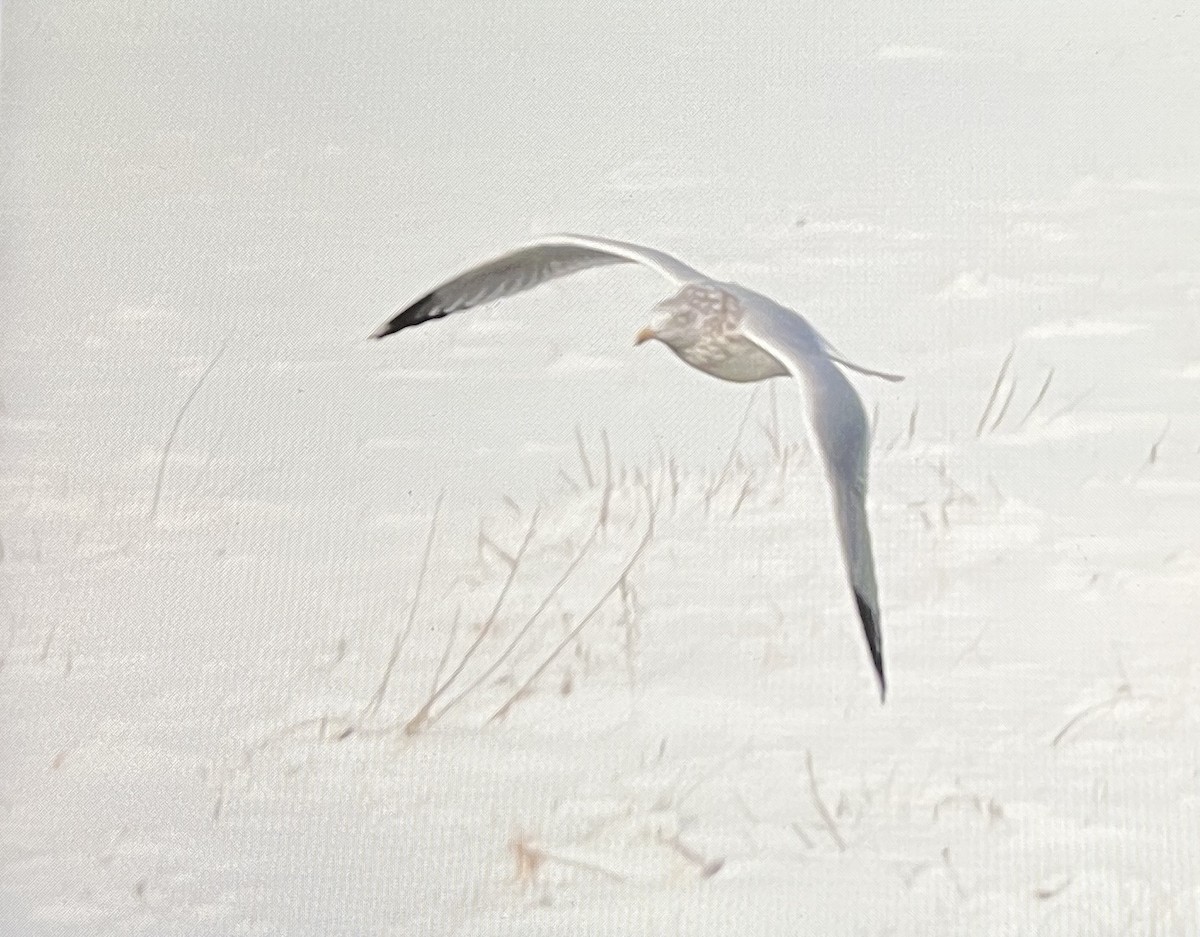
<point x="725" y="330"/>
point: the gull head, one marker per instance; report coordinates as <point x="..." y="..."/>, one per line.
<point x="676" y="328"/>
<point x="700" y="324"/>
<point x="682" y="320"/>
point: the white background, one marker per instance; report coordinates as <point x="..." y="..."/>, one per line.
<point x="934" y="186"/>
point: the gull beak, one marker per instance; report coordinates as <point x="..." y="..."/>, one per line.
<point x="644" y="335"/>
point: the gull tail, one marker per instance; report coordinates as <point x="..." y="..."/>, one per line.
<point x="836" y="356"/>
<point x="861" y="370"/>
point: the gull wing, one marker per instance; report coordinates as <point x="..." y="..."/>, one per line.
<point x="546" y="259"/>
<point x="838" y="424"/>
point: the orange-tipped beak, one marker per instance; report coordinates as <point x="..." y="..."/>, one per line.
<point x="644" y="335"/>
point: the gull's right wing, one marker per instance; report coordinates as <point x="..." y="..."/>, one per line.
<point x="546" y="259"/>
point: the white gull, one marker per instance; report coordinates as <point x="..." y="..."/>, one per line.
<point x="730" y="332"/>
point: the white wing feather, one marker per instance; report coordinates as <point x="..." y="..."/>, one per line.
<point x="838" y="424"/>
<point x="546" y="259"/>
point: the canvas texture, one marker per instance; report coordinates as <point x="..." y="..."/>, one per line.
<point x="504" y="625"/>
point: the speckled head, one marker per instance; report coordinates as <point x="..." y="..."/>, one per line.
<point x="696" y="310"/>
<point x="700" y="324"/>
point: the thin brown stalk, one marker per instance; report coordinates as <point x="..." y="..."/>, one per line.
<point x="1153" y="457"/>
<point x="804" y="837"/>
<point x="995" y="391"/>
<point x="166" y="453"/>
<point x="583" y="622"/>
<point x="415" y="724"/>
<point x="953" y="873"/>
<point x="670" y="471"/>
<point x="1012" y="389"/>
<point x="402" y="637"/>
<point x="707" y="867"/>
<point x="583" y="458"/>
<point x="606" y="503"/>
<point x="437" y="674"/>
<point x="1041" y="395"/>
<point x="505" y="556"/>
<point x="1124" y="692"/>
<point x="771" y="430"/>
<point x="1063" y="411"/>
<point x="733" y="450"/>
<point x="1046" y="892"/>
<point x="524" y="629"/>
<point x="746" y="489"/>
<point x="531" y="857"/>
<point x="632" y="633"/>
<point x="264" y="743"/>
<point x="783" y="464"/>
<point x="826" y="816"/>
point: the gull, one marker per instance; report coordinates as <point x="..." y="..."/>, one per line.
<point x="730" y="332"/>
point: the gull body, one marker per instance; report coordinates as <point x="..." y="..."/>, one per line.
<point x="731" y="333"/>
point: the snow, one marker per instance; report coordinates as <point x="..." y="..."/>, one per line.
<point x="665" y="719"/>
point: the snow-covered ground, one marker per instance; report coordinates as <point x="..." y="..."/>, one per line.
<point x="502" y="626"/>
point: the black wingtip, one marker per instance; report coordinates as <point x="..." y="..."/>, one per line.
<point x="870" y="622"/>
<point x="396" y="323"/>
<point x="424" y="309"/>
